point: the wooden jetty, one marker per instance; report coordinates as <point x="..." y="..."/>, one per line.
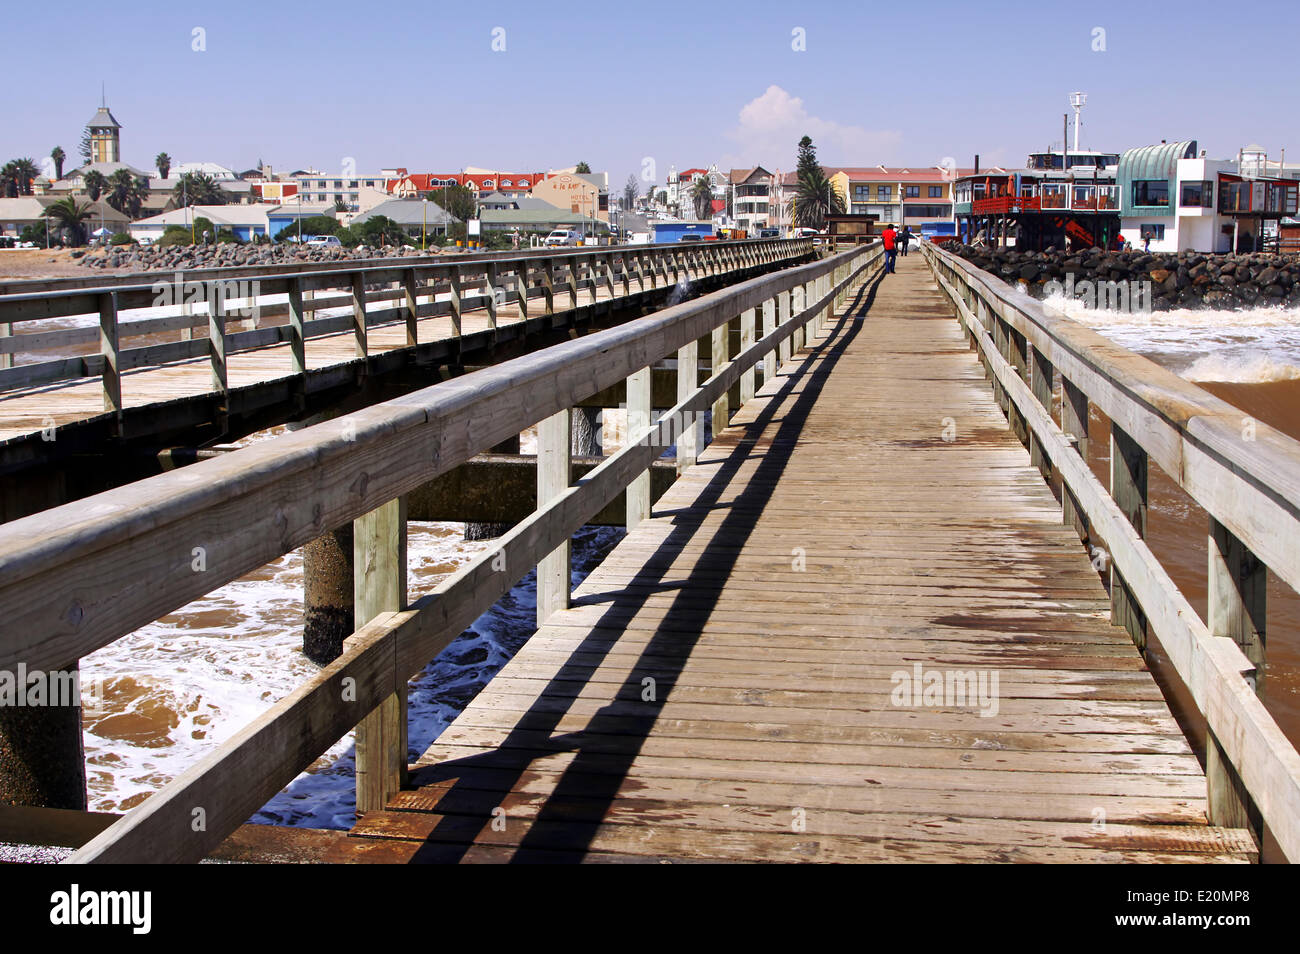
<point x="861" y="626"/>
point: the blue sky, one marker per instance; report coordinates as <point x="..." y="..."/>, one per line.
<point x="420" y="85"/>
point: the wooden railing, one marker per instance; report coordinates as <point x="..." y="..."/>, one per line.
<point x="77" y="577"/>
<point x="1244" y="474"/>
<point x="405" y="290"/>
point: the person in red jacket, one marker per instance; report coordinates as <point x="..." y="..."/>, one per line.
<point x="889" y="239"/>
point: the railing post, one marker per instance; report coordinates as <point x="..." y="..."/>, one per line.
<point x="690" y="430"/>
<point x="639" y="258"/>
<point x="1074" y="422"/>
<point x="1041" y="376"/>
<point x="1128" y="486"/>
<point x="718" y="356"/>
<point x="783" y="316"/>
<point x="411" y="287"/>
<point x="554" y="458"/>
<point x="769" y="327"/>
<point x="6" y="329"/>
<point x="548" y="287"/>
<point x="593" y="276"/>
<point x="626" y="258"/>
<point x="297" y="338"/>
<point x="1015" y="355"/>
<point x="379" y="586"/>
<point x="1236" y="599"/>
<point x="217" y="339"/>
<point x="521" y="289"/>
<point x="112" y="375"/>
<point x="491" y="276"/>
<point x="798" y="302"/>
<point x="571" y="267"/>
<point x="749" y="376"/>
<point x="359" y="330"/>
<point x="638" y="420"/>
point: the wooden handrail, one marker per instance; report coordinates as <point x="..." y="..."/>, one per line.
<point x="233" y="782"/>
<point x="427" y="278"/>
<point x="1252" y="494"/>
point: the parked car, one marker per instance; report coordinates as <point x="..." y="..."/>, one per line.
<point x="769" y="233"/>
<point x="562" y="237"/>
<point x="691" y="238"/>
<point x="323" y="241"/>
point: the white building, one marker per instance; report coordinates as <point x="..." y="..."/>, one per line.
<point x="1180" y="199"/>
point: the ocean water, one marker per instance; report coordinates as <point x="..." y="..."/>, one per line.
<point x="1250" y="346"/>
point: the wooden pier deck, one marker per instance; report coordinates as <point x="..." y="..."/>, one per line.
<point x="726" y="685"/>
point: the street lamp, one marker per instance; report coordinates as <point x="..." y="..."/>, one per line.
<point x="424" y="221"/>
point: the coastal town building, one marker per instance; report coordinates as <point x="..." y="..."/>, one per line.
<point x="1180" y="199"/>
<point x="751" y="196"/>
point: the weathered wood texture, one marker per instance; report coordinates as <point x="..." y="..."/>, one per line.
<point x="723" y="686"/>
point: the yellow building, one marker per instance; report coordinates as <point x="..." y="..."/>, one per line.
<point x="105" y="137"/>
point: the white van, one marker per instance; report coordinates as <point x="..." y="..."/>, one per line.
<point x="563" y="237"/>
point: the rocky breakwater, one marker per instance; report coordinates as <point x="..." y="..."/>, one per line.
<point x="1163" y="280"/>
<point x="134" y="258"/>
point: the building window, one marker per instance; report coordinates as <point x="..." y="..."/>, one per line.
<point x="882" y="192"/>
<point x="1154" y="232"/>
<point x="927" y="211"/>
<point x="1197" y="195"/>
<point x="338" y="183"/>
<point x="936" y="192"/>
<point x="914" y="192"/>
<point x="1151" y="192"/>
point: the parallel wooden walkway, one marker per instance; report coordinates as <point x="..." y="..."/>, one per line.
<point x="725" y="685"/>
<point x="24" y="410"/>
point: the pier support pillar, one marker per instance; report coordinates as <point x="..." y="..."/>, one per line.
<point x="41" y="759"/>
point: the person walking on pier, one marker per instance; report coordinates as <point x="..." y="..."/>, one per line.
<point x="904" y="237"/>
<point x="888" y="239"/>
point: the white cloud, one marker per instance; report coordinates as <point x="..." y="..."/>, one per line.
<point x="771" y="126"/>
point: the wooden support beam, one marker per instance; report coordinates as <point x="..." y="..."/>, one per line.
<point x="521" y="289"/>
<point x="217" y="341"/>
<point x="1074" y="422"/>
<point x="554" y="454"/>
<point x="1128" y="486"/>
<point x="1041" y="374"/>
<point x="748" y="317"/>
<point x="359" y="329"/>
<point x="297" y="338"/>
<point x="783" y="316"/>
<point x="108" y="347"/>
<point x="690" y="431"/>
<point x="638" y="423"/>
<point x="494" y="294"/>
<point x="548" y="287"/>
<point x="719" y="349"/>
<point x="769" y="326"/>
<point x="379" y="586"/>
<point x="571" y="277"/>
<point x="1236" y="600"/>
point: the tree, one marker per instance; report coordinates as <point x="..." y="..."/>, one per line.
<point x="83" y="147"/>
<point x="127" y="192"/>
<point x="379" y="230"/>
<point x="702" y="195"/>
<point x="815" y="197"/>
<point x="456" y="200"/>
<point x="164" y="164"/>
<point x="650" y="192"/>
<point x="583" y="169"/>
<point x="94" y="184"/>
<point x="69" y="217"/>
<point x="198" y="188"/>
<point x="59" y="156"/>
<point x="17" y="176"/>
<point x="339" y="204"/>
<point x="630" y="192"/>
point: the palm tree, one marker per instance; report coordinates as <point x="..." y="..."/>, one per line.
<point x="198" y="188"/>
<point x="94" y="184"/>
<point x="815" y="198"/>
<point x="21" y="172"/>
<point x="702" y="194"/>
<point x="9" y="181"/>
<point x="69" y="216"/>
<point x="164" y="164"/>
<point x="58" y="155"/>
<point x="127" y="192"/>
<point x="340" y="205"/>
